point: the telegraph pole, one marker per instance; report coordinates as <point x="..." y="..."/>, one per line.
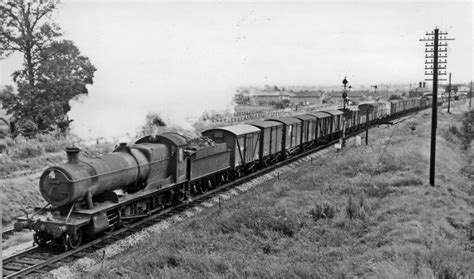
<point x="449" y="92"/>
<point x="470" y="96"/>
<point x="432" y="68"/>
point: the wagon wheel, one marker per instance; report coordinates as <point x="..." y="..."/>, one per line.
<point x="114" y="221"/>
<point x="39" y="239"/>
<point x="74" y="241"/>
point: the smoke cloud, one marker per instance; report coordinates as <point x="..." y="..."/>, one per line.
<point x="159" y="59"/>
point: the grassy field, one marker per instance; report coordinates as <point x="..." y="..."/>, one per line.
<point x="367" y="211"/>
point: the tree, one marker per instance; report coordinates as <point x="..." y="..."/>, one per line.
<point x="54" y="70"/>
<point x="281" y="104"/>
<point x="25" y="27"/>
<point x="395" y="97"/>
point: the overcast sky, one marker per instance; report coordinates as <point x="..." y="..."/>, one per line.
<point x="181" y="58"/>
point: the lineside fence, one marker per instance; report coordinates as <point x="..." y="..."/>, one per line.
<point x="261" y="114"/>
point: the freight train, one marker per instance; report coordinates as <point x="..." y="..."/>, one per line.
<point x="86" y="198"/>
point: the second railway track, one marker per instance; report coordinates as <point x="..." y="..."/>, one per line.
<point x="7" y="233"/>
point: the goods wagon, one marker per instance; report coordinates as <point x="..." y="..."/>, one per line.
<point x="308" y="131"/>
<point x="425" y="102"/>
<point x="396" y="107"/>
<point x="336" y="121"/>
<point x="291" y="133"/>
<point x="366" y="112"/>
<point x="242" y="140"/>
<point x="324" y="125"/>
<point x="351" y="116"/>
<point x="383" y="109"/>
<point x="271" y="137"/>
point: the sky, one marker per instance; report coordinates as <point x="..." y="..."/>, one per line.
<point x="179" y="59"/>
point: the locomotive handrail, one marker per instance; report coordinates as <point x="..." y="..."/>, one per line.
<point x="105" y="173"/>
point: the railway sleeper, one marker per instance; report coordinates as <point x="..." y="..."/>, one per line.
<point x="99" y="245"/>
<point x="66" y="260"/>
<point x="13" y="267"/>
<point x="79" y="255"/>
<point x="39" y="257"/>
<point x="28" y="262"/>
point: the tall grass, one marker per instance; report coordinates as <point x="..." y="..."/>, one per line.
<point x="37" y="153"/>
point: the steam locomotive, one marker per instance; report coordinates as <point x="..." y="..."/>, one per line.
<point x="89" y="197"/>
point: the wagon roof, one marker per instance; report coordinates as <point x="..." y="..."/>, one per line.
<point x="321" y="114"/>
<point x="240" y="129"/>
<point x="334" y="112"/>
<point x="305" y="116"/>
<point x="287" y="120"/>
<point x="265" y="123"/>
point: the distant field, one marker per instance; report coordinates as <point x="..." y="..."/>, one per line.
<point x="363" y="212"/>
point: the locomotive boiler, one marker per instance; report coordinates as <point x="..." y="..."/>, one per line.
<point x="80" y="180"/>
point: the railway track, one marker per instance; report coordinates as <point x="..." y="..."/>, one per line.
<point x="7" y="233"/>
<point x="39" y="260"/>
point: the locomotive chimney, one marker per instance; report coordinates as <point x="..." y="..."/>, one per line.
<point x="420" y="84"/>
<point x="424" y="84"/>
<point x="72" y="155"/>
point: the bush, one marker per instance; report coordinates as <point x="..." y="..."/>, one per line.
<point x="412" y="126"/>
<point x="448" y="262"/>
<point x="322" y="211"/>
<point x="280" y="104"/>
<point x="261" y="221"/>
<point x="28" y="151"/>
<point x="356" y="210"/>
<point x="467" y="129"/>
<point x="395" y="97"/>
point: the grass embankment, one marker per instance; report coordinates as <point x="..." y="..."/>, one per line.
<point x="21" y="168"/>
<point x="366" y="211"/>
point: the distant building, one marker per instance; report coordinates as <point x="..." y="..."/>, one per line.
<point x="306" y="97"/>
<point x="268" y="97"/>
<point x="419" y="91"/>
